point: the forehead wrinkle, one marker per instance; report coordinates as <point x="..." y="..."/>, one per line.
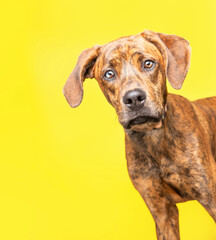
<point x="121" y="51"/>
<point x="139" y="53"/>
<point x="115" y="63"/>
<point x="113" y="57"/>
<point x="105" y="53"/>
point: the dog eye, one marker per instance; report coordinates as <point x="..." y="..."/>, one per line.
<point x="109" y="75"/>
<point x="149" y="64"/>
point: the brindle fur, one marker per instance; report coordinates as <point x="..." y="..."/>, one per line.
<point x="171" y="161"/>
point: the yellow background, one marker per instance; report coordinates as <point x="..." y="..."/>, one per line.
<point x="63" y="171"/>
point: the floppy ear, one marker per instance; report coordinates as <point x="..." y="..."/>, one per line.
<point x="176" y="52"/>
<point x="73" y="89"/>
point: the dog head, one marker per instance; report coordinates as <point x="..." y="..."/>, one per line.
<point x="132" y="72"/>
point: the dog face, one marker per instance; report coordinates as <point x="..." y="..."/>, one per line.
<point x="131" y="73"/>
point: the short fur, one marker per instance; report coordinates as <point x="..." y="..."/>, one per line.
<point x="171" y="159"/>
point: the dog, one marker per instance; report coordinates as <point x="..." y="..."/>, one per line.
<point x="170" y="141"/>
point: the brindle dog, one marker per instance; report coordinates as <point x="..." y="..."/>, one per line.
<point x="170" y="141"/>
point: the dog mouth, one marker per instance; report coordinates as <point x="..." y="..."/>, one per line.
<point x="141" y="120"/>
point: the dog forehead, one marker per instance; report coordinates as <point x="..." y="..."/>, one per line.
<point x="126" y="46"/>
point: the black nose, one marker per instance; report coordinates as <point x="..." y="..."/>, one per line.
<point x="134" y="99"/>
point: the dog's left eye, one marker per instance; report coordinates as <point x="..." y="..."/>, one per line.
<point x="109" y="75"/>
<point x="149" y="64"/>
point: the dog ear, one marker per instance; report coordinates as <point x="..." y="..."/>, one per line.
<point x="73" y="89"/>
<point x="176" y="52"/>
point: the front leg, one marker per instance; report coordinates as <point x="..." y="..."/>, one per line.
<point x="160" y="200"/>
<point x="203" y="187"/>
<point x="159" y="197"/>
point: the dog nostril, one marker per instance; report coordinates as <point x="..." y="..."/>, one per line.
<point x="141" y="98"/>
<point x="128" y="101"/>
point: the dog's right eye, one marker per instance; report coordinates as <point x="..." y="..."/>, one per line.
<point x="109" y="75"/>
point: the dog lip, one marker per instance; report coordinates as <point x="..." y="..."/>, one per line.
<point x="141" y="120"/>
